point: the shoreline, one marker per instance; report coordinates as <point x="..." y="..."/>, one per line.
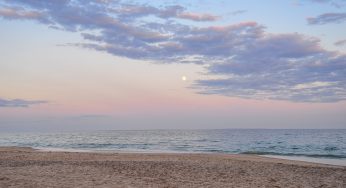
<point x="327" y="161"/>
<point x="25" y="167"/>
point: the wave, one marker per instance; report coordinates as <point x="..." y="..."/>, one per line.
<point x="331" y="156"/>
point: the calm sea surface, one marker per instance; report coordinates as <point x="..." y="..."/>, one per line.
<point x="314" y="144"/>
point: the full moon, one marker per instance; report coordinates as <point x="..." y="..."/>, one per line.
<point x="183" y="78"/>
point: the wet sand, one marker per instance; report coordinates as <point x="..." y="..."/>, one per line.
<point x="26" y="167"/>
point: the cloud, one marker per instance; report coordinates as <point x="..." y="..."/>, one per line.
<point x="237" y="12"/>
<point x="252" y="62"/>
<point x="320" y="1"/>
<point x="340" y="43"/>
<point x="197" y="16"/>
<point x="327" y="18"/>
<point x="94" y="116"/>
<point x="128" y="12"/>
<point x="281" y="67"/>
<point x="19" y="103"/>
<point x="335" y="3"/>
<point x="22" y="14"/>
<point x="89" y="117"/>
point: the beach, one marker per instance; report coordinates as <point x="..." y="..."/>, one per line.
<point x="27" y="167"/>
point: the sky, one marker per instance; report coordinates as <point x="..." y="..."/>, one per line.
<point x="174" y="64"/>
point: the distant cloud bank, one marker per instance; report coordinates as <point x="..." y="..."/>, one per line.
<point x="252" y="62"/>
<point x="19" y="103"/>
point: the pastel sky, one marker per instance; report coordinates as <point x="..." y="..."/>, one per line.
<point x="116" y="64"/>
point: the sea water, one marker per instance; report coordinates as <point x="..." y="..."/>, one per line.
<point x="317" y="145"/>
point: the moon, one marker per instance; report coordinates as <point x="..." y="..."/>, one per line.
<point x="183" y="78"/>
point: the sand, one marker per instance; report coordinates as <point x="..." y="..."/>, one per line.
<point x="26" y="167"/>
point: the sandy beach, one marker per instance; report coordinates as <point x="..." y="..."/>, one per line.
<point x="26" y="167"/>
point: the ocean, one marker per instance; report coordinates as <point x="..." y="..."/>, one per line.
<point x="316" y="145"/>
